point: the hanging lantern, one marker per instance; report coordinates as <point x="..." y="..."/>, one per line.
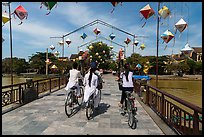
<point x="54" y="67"/>
<point x="100" y="44"/>
<point x="5" y="17"/>
<point x="83" y="36"/>
<point x="91" y="47"/>
<point x="97" y="31"/>
<point x="99" y="57"/>
<point x="167" y="36"/>
<point x="138" y="66"/>
<point x="146" y="12"/>
<point x="90" y="56"/>
<point x="48" y="61"/>
<point x="68" y="41"/>
<point x="61" y="43"/>
<point x="114" y="5"/>
<point x="187" y="50"/>
<point x="142" y="46"/>
<point x="112" y="36"/>
<point x="181" y="25"/>
<point x="164" y="12"/>
<point x="111" y="47"/>
<point x="21" y="13"/>
<point x="48" y="5"/>
<point x="104" y="51"/>
<point x="57" y="53"/>
<point x="97" y="54"/>
<point x="127" y="41"/>
<point x="52" y="47"/>
<point x="136" y="42"/>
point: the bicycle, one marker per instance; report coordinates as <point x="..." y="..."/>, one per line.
<point x="90" y="107"/>
<point x="72" y="101"/>
<point x="131" y="110"/>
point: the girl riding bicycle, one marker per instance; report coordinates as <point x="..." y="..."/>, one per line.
<point x="91" y="83"/>
<point x="127" y="85"/>
<point x="74" y="76"/>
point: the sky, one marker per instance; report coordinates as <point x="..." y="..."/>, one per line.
<point x="33" y="35"/>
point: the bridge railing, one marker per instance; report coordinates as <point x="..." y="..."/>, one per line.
<point x="183" y="117"/>
<point x="12" y="95"/>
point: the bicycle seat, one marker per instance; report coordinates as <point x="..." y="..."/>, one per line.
<point x="73" y="88"/>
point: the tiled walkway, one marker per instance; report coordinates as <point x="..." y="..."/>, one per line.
<point x="46" y="116"/>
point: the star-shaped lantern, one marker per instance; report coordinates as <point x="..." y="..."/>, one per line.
<point x="167" y="36"/>
<point x="61" y="43"/>
<point x="97" y="31"/>
<point x="52" y="47"/>
<point x="142" y="46"/>
<point x="164" y="12"/>
<point x="49" y="5"/>
<point x="147" y="11"/>
<point x="187" y="50"/>
<point x="83" y="36"/>
<point x="68" y="41"/>
<point x="112" y="36"/>
<point x="21" y="13"/>
<point x="136" y="42"/>
<point x="127" y="41"/>
<point x="5" y="17"/>
<point x="181" y="25"/>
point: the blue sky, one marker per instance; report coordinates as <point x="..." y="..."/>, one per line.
<point x="35" y="32"/>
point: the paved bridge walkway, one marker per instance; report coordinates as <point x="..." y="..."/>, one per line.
<point x="46" y="116"/>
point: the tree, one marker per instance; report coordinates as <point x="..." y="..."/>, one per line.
<point x="100" y="52"/>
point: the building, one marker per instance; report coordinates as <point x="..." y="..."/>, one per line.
<point x="196" y="54"/>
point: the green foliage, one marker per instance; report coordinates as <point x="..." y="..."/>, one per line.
<point x="19" y="65"/>
<point x="103" y="52"/>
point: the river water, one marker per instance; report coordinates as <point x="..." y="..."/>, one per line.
<point x="190" y="91"/>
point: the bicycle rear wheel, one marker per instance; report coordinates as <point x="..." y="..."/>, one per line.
<point x="130" y="113"/>
<point x="89" y="109"/>
<point x="69" y="105"/>
<point x="80" y="100"/>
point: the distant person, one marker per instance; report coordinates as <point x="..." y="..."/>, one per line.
<point x="127" y="83"/>
<point x="74" y="76"/>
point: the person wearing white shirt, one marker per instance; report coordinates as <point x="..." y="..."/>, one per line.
<point x="74" y="76"/>
<point x="91" y="82"/>
<point x="127" y="85"/>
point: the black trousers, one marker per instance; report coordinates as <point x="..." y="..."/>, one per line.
<point x="123" y="96"/>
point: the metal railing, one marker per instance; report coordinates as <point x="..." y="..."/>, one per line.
<point x="12" y="95"/>
<point x="183" y="117"/>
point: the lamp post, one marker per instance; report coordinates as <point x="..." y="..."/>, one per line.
<point x="11" y="67"/>
<point x="158" y="20"/>
<point x="47" y="62"/>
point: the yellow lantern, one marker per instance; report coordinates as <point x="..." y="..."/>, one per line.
<point x="96" y="53"/>
<point x="91" y="47"/>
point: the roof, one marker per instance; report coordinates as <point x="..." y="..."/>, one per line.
<point x="74" y="56"/>
<point x="197" y="49"/>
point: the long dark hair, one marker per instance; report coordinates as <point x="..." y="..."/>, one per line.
<point x="127" y="69"/>
<point x="92" y="70"/>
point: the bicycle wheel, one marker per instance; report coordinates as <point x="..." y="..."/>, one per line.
<point x="89" y="109"/>
<point x="130" y="114"/>
<point x="69" y="105"/>
<point x="99" y="93"/>
<point x="80" y="100"/>
<point x="134" y="124"/>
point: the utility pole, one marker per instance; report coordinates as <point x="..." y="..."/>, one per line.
<point x="158" y="20"/>
<point x="11" y="67"/>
